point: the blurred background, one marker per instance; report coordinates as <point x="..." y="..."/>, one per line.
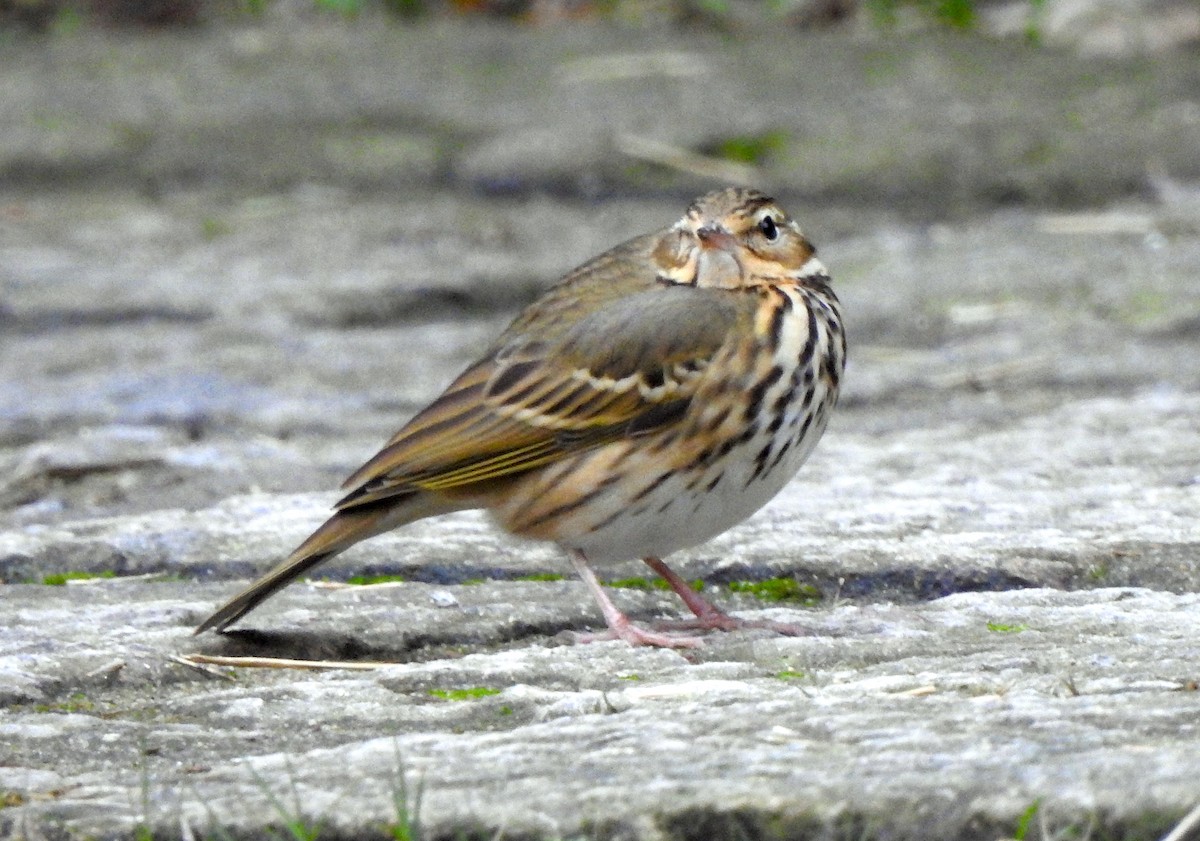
<point x="242" y="240"/>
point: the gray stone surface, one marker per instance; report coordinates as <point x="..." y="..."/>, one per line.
<point x="232" y="263"/>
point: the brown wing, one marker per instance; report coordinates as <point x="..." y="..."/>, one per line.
<point x="629" y="367"/>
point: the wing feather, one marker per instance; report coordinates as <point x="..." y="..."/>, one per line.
<point x="628" y="368"/>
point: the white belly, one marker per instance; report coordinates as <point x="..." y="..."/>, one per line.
<point x="674" y="516"/>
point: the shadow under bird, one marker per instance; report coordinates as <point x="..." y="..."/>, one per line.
<point x="653" y="398"/>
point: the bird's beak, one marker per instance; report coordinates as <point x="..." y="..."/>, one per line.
<point x="714" y="236"/>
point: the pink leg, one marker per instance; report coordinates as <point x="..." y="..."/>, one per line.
<point x="618" y="623"/>
<point x="708" y="615"/>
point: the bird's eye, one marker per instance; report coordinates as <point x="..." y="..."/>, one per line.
<point x="768" y="228"/>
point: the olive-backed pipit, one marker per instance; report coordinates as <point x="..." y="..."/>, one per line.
<point x="656" y="396"/>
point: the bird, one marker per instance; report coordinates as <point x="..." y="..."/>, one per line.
<point x="653" y="398"/>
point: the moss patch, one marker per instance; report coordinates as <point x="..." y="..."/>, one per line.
<point x="464" y="694"/>
<point x="639" y="583"/>
<point x="77" y="703"/>
<point x="1002" y="628"/>
<point x="59" y="579"/>
<point x="779" y="590"/>
<point x="751" y="148"/>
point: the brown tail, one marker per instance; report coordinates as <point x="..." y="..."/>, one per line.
<point x="338" y="533"/>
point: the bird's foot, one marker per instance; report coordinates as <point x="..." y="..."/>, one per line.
<point x="721" y="621"/>
<point x="619" y="626"/>
<point x="633" y="635"/>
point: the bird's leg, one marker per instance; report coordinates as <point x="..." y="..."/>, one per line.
<point x="708" y="615"/>
<point x="619" y="626"/>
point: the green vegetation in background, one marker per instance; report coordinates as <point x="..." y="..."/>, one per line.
<point x="212" y="228"/>
<point x="292" y="816"/>
<point x="541" y="576"/>
<point x="59" y="579"/>
<point x="637" y="582"/>
<point x="354" y="8"/>
<point x="1033" y="27"/>
<point x="956" y="14"/>
<point x="756" y="149"/>
<point x="63" y="17"/>
<point x="77" y="703"/>
<point x="464" y="694"/>
<point x="346" y="8"/>
<point x="407" y="808"/>
<point x="770" y="590"/>
<point x="1026" y="820"/>
<point x="1002" y="628"/>
<point x="779" y="590"/>
<point x="959" y="14"/>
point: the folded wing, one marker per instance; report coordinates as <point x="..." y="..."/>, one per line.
<point x="628" y="368"/>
